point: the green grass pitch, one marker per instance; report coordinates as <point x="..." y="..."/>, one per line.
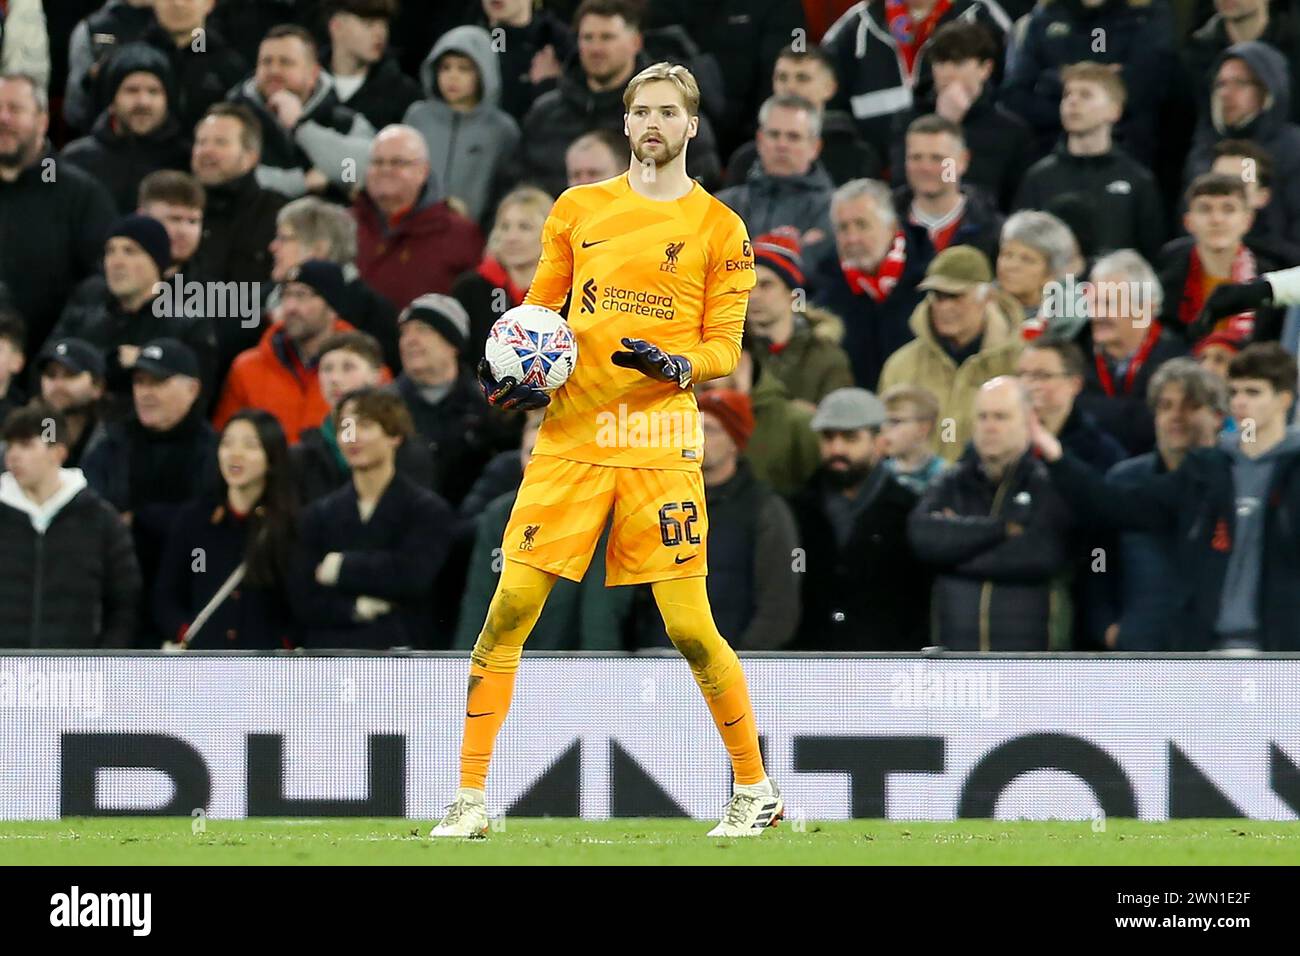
<point x="551" y="842"/>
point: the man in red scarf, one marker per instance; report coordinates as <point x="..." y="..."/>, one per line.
<point x="1214" y="253"/>
<point x="870" y="281"/>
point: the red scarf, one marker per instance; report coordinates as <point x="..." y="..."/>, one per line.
<point x="880" y="283"/>
<point x="1241" y="325"/>
<point x="911" y="36"/>
<point x="1134" y="365"/>
<point x="495" y="272"/>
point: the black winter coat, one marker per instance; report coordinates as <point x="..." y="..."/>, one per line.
<point x="559" y="117"/>
<point x="319" y="472"/>
<point x="1127" y="212"/>
<point x="53" y="220"/>
<point x="1001" y="146"/>
<point x="250" y="617"/>
<point x="105" y="326"/>
<point x="1138" y="38"/>
<point x="384" y="94"/>
<point x="395" y="556"/>
<point x="460" y="432"/>
<point x="75" y="586"/>
<point x="200" y="78"/>
<point x="993" y="590"/>
<point x="238" y="226"/>
<point x="119" y="159"/>
<point x="151" y="475"/>
<point x="872" y="595"/>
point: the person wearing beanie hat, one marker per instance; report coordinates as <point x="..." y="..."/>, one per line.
<point x="147" y="233"/>
<point x="445" y="401"/>
<point x="130" y="310"/>
<point x="964" y="336"/>
<point x="442" y="313"/>
<point x="280" y="373"/>
<point x="325" y="278"/>
<point x="733" y="411"/>
<point x="802" y="341"/>
<point x="862" y="589"/>
<point x="1215" y="352"/>
<point x="753" y="595"/>
<point x="135" y="134"/>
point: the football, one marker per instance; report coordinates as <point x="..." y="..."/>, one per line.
<point x="532" y="345"/>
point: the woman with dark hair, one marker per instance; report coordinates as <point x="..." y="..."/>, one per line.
<point x="222" y="578"/>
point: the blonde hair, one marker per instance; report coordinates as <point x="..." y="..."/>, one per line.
<point x="924" y="404"/>
<point x="1099" y="73"/>
<point x="531" y="198"/>
<point x="673" y="73"/>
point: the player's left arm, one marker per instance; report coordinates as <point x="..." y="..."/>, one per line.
<point x="726" y="296"/>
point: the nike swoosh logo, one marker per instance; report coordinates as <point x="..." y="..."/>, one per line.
<point x="484" y="714"/>
<point x="586" y="244"/>
<point x="736" y="721"/>
<point x="678" y="559"/>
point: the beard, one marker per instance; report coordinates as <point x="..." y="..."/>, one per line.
<point x="843" y="478"/>
<point x="18" y="155"/>
<point x="671" y="151"/>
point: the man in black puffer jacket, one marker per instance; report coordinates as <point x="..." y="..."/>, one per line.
<point x="162" y="457"/>
<point x="131" y="311"/>
<point x="997" y="533"/>
<point x="137" y="132"/>
<point x="68" y="574"/>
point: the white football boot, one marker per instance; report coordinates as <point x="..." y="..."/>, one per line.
<point x="466" y="818"/>
<point x="750" y="811"/>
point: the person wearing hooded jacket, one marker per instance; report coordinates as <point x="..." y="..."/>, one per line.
<point x="68" y="574"/>
<point x="1256" y="106"/>
<point x="137" y="133"/>
<point x="469" y="137"/>
<point x="310" y="140"/>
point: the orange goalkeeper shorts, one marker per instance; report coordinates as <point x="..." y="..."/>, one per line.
<point x="659" y="530"/>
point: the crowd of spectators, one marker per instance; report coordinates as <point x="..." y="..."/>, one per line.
<point x="1018" y="368"/>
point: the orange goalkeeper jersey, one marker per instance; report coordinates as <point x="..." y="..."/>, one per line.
<point x="675" y="273"/>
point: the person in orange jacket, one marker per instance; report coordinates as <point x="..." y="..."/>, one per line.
<point x="279" y="373"/>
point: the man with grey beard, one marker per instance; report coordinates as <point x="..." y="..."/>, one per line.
<point x="53" y="217"/>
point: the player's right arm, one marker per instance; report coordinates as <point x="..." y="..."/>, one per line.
<point x="554" y="276"/>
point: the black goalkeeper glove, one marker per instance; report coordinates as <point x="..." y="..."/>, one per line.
<point x="653" y="362"/>
<point x="1230" y="299"/>
<point x="507" y="393"/>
